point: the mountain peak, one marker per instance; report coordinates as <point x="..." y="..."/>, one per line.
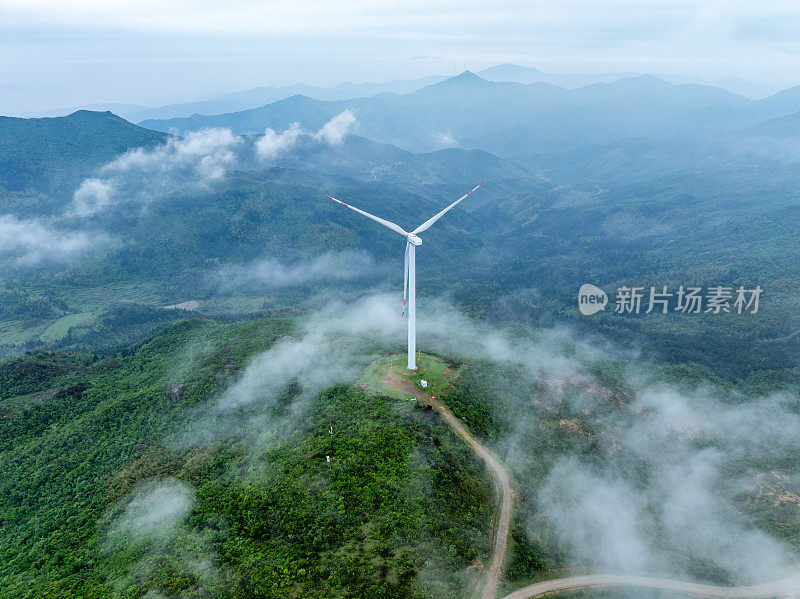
<point x="467" y="75"/>
<point x="85" y="113"/>
<point x="467" y="78"/>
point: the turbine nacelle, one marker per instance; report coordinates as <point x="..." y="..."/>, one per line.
<point x="414" y="240"/>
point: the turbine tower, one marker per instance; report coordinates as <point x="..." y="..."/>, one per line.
<point x="410" y="275"/>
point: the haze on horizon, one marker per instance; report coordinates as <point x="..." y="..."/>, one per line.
<point x="68" y="53"/>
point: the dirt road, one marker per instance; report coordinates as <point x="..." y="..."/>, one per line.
<point x="788" y="587"/>
<point x="499" y="474"/>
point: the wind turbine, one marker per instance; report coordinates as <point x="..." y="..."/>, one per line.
<point x="410" y="275"/>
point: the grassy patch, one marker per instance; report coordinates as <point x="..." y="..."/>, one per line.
<point x="59" y="329"/>
<point x="17" y="332"/>
<point x="435" y="371"/>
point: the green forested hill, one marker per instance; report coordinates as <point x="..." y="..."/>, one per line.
<point x="87" y="442"/>
<point x="52" y="154"/>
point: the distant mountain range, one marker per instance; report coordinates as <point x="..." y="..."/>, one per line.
<point x="514" y="120"/>
<point x="253" y="98"/>
<point x="517" y="74"/>
<point x="640" y="120"/>
<point x="503" y="73"/>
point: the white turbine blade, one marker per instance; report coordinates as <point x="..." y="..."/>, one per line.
<point x="405" y="278"/>
<point x="385" y="223"/>
<point x="424" y="226"/>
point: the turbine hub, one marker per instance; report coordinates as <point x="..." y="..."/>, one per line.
<point x="414" y="239"/>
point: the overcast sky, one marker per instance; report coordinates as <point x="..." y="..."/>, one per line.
<point x="57" y="53"/>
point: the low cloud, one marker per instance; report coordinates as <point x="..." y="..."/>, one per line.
<point x="206" y="154"/>
<point x="146" y="532"/>
<point x="154" y="511"/>
<point x="273" y="144"/>
<point x="145" y="173"/>
<point x="334" y="131"/>
<point x="667" y="493"/>
<point x="92" y="196"/>
<point x="445" y="139"/>
<point x="272" y="274"/>
<point x="30" y="241"/>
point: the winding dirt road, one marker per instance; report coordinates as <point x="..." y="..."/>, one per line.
<point x="781" y="589"/>
<point x="499" y="474"/>
<point x="788" y="587"/>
